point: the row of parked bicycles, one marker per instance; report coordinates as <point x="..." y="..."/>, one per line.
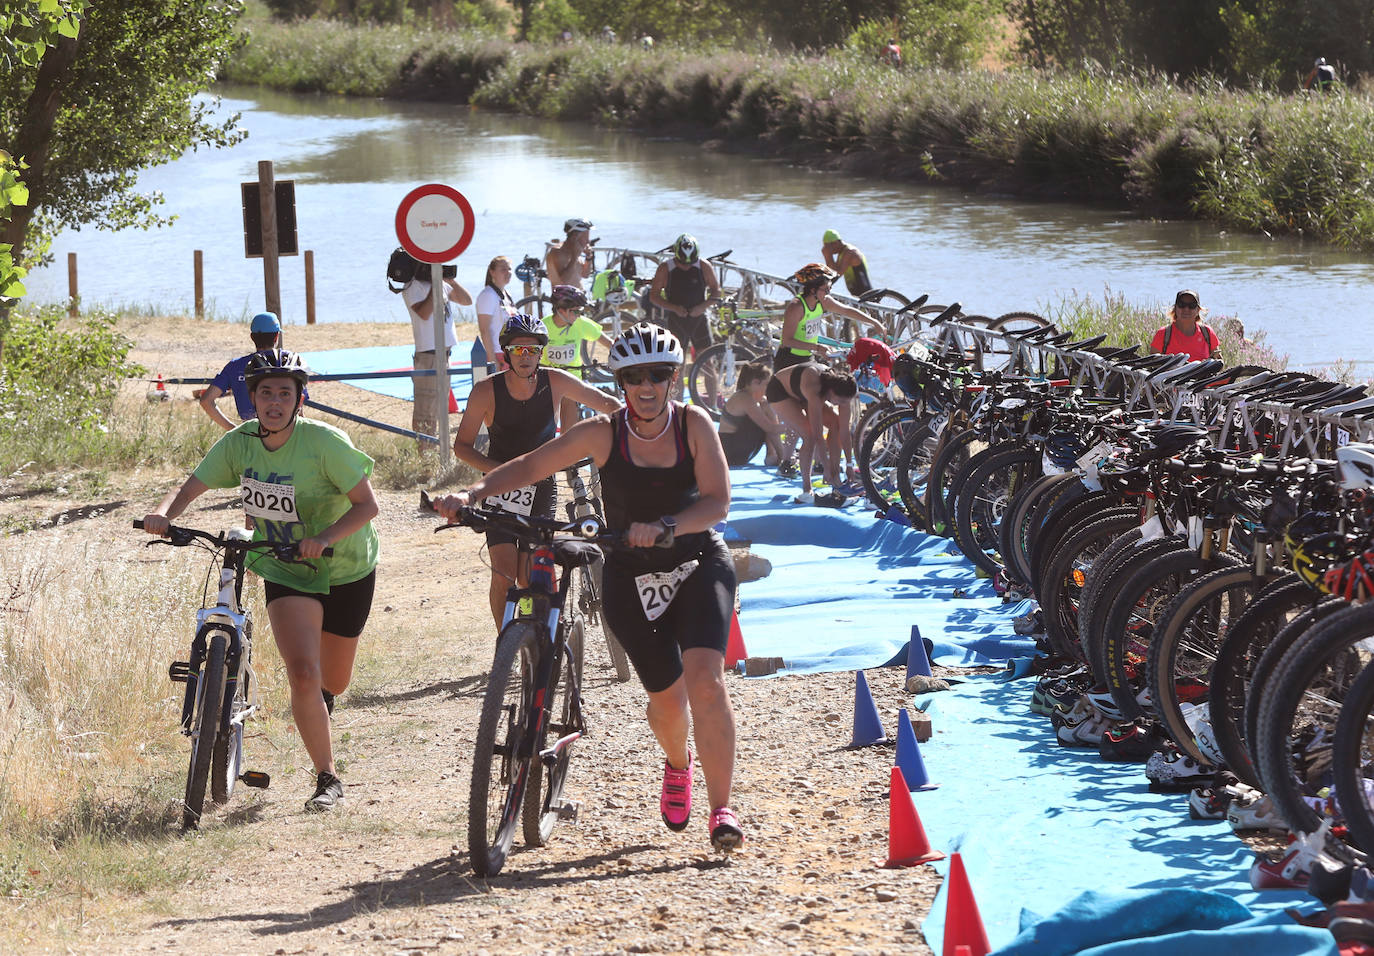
<point x="1200" y="542"/>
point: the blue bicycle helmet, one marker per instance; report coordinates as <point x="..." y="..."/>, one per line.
<point x="521" y="326"/>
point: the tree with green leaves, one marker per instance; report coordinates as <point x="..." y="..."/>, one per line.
<point x="27" y="31"/>
<point x="88" y="108"/>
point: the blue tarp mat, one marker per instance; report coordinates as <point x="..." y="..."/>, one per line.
<point x="846" y="587"/>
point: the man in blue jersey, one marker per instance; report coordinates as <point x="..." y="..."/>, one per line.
<point x="265" y="331"/>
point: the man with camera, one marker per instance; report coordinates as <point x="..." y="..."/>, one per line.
<point x="420" y="306"/>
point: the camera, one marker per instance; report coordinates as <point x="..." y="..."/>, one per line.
<point x="451" y="271"/>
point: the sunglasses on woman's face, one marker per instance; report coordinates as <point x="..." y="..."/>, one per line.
<point x="524" y="351"/>
<point x="1187" y="305"/>
<point x="657" y="374"/>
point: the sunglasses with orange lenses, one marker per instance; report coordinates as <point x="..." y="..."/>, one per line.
<point x="525" y="350"/>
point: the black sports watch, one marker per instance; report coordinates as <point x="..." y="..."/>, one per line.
<point x="669" y="527"/>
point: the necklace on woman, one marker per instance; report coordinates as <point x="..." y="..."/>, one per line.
<point x="661" y="431"/>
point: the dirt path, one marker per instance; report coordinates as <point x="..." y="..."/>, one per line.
<point x="389" y="873"/>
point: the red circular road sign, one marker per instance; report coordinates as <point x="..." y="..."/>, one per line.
<point x="434" y="223"/>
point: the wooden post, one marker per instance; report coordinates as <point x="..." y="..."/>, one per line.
<point x="72" y="294"/>
<point x="200" y="284"/>
<point x="310" y="287"/>
<point x="267" y="203"/>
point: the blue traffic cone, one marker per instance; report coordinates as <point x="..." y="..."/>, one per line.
<point x="916" y="660"/>
<point x="909" y="755"/>
<point x="868" y="726"/>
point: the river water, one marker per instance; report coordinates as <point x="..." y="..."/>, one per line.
<point x="353" y="160"/>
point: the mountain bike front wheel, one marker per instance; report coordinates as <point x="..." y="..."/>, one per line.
<point x="500" y="772"/>
<point x="205" y="727"/>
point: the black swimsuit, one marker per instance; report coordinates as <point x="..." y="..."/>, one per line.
<point x="698" y="613"/>
<point x="519" y="426"/>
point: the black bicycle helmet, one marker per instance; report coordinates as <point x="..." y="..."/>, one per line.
<point x="273" y="363"/>
<point x="567" y="297"/>
<point x="521" y="326"/>
<point x="685" y="249"/>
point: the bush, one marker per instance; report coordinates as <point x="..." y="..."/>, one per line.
<point x="59" y="377"/>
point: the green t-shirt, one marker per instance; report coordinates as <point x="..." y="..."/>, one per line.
<point x="565" y="345"/>
<point x="609" y="279"/>
<point x="294" y="493"/>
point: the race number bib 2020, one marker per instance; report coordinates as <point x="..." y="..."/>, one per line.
<point x="561" y="354"/>
<point x="269" y="500"/>
<point x="658" y="588"/>
<point x="815" y="327"/>
<point x="517" y="502"/>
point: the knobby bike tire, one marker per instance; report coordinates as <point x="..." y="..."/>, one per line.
<point x="1038" y="514"/>
<point x="1351" y="756"/>
<point x="878" y="455"/>
<point x="716" y="358"/>
<point x="592" y="578"/>
<point x="955" y="484"/>
<point x="870" y="414"/>
<point x="1015" y="533"/>
<point x="1246" y="639"/>
<point x="1269" y="661"/>
<point x="1130" y="622"/>
<point x="1183" y="653"/>
<point x="982" y="504"/>
<point x="953" y="455"/>
<point x="1065" y="577"/>
<point x="226" y="762"/>
<point x="1060" y="519"/>
<point x="913" y="470"/>
<point x="1303" y="699"/>
<point x="204" y="727"/>
<point x="500" y="771"/>
<point x="545" y="788"/>
<point x="1108" y="578"/>
<point x="538" y="306"/>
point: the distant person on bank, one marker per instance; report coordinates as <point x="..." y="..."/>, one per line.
<point x="1322" y="78"/>
<point x="1185" y="334"/>
<point x="845" y="259"/>
<point x="494" y="307"/>
<point x="423" y="418"/>
<point x="265" y="331"/>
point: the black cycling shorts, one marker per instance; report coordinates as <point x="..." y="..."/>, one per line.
<point x="545" y="500"/>
<point x="699" y="616"/>
<point x="693" y="331"/>
<point x="346" y="606"/>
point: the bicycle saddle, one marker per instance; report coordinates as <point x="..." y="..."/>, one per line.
<point x="1187" y="372"/>
<point x="948" y="314"/>
<point x="1084" y="344"/>
<point x="1114" y="353"/>
<point x="915" y="303"/>
<point x="1338" y="395"/>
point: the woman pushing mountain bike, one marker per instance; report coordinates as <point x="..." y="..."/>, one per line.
<point x="663" y="474"/>
<point x="302" y="482"/>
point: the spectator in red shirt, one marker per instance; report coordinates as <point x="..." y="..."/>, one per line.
<point x="1184" y="334"/>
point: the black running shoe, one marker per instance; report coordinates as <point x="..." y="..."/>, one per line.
<point x="328" y="701"/>
<point x="328" y="793"/>
<point x="1130" y="743"/>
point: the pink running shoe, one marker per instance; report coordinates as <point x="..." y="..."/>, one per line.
<point x="675" y="800"/>
<point x="726" y="834"/>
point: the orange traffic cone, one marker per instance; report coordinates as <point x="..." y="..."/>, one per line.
<point x="907" y="843"/>
<point x="160" y="386"/>
<point x="964" y="932"/>
<point x="452" y="403"/>
<point x="734" y="650"/>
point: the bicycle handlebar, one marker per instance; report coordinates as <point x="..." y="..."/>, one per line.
<point x="179" y="537"/>
<point x="589" y="528"/>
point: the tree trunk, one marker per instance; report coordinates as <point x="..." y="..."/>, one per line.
<point x="33" y="139"/>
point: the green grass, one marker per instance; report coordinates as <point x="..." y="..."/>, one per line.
<point x="1255" y="159"/>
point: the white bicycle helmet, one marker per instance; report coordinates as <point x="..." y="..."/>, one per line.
<point x="645" y="344"/>
<point x="571" y="226"/>
<point x="1357" y="465"/>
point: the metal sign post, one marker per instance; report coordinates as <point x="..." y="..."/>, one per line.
<point x="434" y="223"/>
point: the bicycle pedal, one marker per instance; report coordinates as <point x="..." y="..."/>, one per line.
<point x="179" y="671"/>
<point x="567" y="810"/>
<point x="255" y="778"/>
